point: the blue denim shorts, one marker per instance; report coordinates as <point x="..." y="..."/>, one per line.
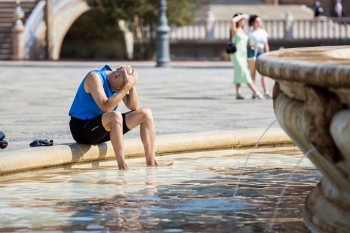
<point x="254" y="53"/>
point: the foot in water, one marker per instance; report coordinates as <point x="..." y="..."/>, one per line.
<point x="162" y="164"/>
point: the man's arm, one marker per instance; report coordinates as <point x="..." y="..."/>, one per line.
<point x="93" y="85"/>
<point x="131" y="100"/>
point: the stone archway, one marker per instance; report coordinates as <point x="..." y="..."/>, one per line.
<point x="65" y="13"/>
<point x="90" y="38"/>
<point x="63" y="20"/>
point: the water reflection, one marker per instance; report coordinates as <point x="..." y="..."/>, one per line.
<point x="196" y="194"/>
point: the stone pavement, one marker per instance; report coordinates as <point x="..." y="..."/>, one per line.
<point x="186" y="97"/>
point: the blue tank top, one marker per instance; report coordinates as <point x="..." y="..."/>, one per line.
<point x="84" y="106"/>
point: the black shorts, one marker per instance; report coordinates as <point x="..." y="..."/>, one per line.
<point x="91" y="131"/>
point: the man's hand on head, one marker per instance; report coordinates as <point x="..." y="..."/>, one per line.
<point x="131" y="76"/>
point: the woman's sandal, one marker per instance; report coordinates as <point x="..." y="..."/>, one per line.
<point x="41" y="142"/>
<point x="239" y="97"/>
<point x="258" y="96"/>
<point x="268" y="96"/>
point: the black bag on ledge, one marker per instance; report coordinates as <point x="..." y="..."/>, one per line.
<point x="231" y="48"/>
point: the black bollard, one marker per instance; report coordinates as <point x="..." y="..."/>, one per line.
<point x="163" y="57"/>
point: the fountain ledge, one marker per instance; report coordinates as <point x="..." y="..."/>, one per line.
<point x="60" y="155"/>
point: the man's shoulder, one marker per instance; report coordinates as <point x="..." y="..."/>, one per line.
<point x="93" y="74"/>
<point x="92" y="78"/>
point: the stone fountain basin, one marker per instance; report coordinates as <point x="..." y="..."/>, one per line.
<point x="311" y="103"/>
<point x="327" y="67"/>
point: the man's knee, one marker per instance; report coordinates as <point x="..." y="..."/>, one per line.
<point x="115" y="118"/>
<point x="147" y="113"/>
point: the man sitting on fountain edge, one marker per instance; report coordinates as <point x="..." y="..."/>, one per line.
<point x="94" y="118"/>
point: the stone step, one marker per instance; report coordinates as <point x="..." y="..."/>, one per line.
<point x="6" y="24"/>
<point x="4" y="32"/>
<point x="6" y="51"/>
<point x="7" y="9"/>
<point x="5" y="36"/>
<point x="6" y="40"/>
<point x="5" y="57"/>
<point x="5" y="46"/>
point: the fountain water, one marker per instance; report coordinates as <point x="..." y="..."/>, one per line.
<point x="192" y="195"/>
<point x="249" y="154"/>
<point x="311" y="103"/>
<point x="291" y="177"/>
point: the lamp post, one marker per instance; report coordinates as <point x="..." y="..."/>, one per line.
<point x="162" y="30"/>
<point x="49" y="29"/>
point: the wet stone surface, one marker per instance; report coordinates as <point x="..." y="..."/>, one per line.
<point x="203" y="192"/>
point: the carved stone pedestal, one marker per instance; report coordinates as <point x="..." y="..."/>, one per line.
<point x="311" y="103"/>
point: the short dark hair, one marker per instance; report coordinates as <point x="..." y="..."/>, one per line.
<point x="121" y="70"/>
<point x="252" y="19"/>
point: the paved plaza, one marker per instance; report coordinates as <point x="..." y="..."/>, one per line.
<point x="185" y="98"/>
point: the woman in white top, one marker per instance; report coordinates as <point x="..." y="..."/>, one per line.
<point x="338" y="8"/>
<point x="257" y="45"/>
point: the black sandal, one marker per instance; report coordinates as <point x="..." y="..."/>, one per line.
<point x="3" y="143"/>
<point x="41" y="142"/>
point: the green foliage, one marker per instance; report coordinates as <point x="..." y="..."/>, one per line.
<point x="90" y="26"/>
<point x="96" y="34"/>
<point x="180" y="12"/>
<point x="86" y="39"/>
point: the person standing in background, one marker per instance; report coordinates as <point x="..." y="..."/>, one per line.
<point x="239" y="58"/>
<point x="318" y="9"/>
<point x="338" y="8"/>
<point x="257" y="45"/>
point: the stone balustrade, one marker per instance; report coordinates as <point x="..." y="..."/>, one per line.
<point x="278" y="29"/>
<point x="209" y="30"/>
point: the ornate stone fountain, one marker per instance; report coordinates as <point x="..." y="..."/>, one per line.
<point x="311" y="103"/>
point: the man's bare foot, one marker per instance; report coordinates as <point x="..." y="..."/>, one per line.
<point x="123" y="167"/>
<point x="164" y="164"/>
